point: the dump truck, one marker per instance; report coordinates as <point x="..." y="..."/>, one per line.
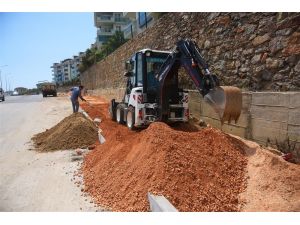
<point x="48" y="89"/>
<point x="153" y="92"/>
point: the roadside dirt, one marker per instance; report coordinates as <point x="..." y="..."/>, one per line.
<point x="273" y="183"/>
<point x="205" y="170"/>
<point x="74" y="131"/>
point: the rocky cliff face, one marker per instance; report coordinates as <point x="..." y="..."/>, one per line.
<point x="254" y="51"/>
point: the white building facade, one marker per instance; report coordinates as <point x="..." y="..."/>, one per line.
<point x="67" y="69"/>
<point x="108" y="23"/>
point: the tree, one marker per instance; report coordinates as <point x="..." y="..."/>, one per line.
<point x="113" y="43"/>
<point x="94" y="55"/>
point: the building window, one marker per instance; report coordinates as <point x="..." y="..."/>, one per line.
<point x="118" y="17"/>
<point x="104" y="17"/>
<point x="103" y="38"/>
<point x="144" y="19"/>
<point x="106" y="29"/>
<point x="118" y="28"/>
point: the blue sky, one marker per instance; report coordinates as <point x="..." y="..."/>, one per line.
<point x="31" y="42"/>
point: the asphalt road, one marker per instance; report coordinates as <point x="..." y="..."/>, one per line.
<point x="32" y="181"/>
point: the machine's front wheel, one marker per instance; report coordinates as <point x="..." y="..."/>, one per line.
<point x="120" y="114"/>
<point x="130" y="118"/>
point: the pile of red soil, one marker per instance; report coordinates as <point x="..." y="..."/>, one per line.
<point x="196" y="171"/>
<point x="74" y="131"/>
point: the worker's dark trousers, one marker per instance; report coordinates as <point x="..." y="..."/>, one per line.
<point x="75" y="105"/>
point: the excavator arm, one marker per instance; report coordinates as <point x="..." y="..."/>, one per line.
<point x="226" y="100"/>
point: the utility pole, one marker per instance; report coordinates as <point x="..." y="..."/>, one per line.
<point x="6" y="87"/>
<point x="9" y="86"/>
<point x="0" y="75"/>
<point x="5" y="83"/>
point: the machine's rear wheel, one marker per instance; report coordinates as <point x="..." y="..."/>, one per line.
<point x="120" y="114"/>
<point x="130" y="118"/>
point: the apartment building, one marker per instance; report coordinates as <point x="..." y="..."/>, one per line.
<point x="107" y="24"/>
<point x="74" y="67"/>
<point x="57" y="73"/>
<point x="67" y="69"/>
<point x="66" y="64"/>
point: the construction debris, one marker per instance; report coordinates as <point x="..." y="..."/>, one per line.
<point x="97" y="121"/>
<point x="100" y="137"/>
<point x="74" y="131"/>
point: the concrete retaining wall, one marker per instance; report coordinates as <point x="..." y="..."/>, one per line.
<point x="266" y="116"/>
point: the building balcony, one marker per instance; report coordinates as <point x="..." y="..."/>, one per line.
<point x="106" y="31"/>
<point x="110" y="19"/>
<point x="104" y="19"/>
<point x="122" y="20"/>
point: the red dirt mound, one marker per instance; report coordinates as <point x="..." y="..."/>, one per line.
<point x="196" y="171"/>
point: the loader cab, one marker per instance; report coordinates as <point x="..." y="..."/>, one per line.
<point x="130" y="74"/>
<point x="142" y="70"/>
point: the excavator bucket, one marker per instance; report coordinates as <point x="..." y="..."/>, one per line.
<point x="226" y="101"/>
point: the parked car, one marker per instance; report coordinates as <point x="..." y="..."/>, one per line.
<point x="2" y="97"/>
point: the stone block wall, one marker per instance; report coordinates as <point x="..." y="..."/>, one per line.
<point x="254" y="51"/>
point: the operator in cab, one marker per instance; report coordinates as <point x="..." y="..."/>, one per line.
<point x="75" y="94"/>
<point x="151" y="77"/>
<point x="152" y="81"/>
